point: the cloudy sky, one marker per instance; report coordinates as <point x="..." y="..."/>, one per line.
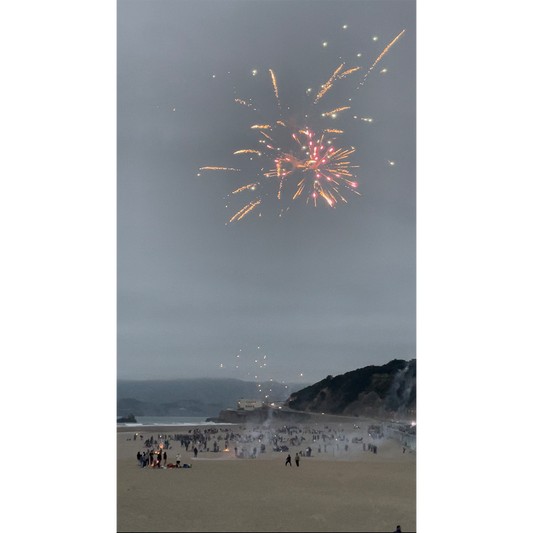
<point x="314" y="292"/>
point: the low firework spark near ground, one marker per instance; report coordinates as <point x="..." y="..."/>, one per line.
<point x="298" y="157"/>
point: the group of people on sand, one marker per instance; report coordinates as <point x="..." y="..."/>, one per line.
<point x="249" y="442"/>
<point x="152" y="458"/>
<point x="158" y="459"/>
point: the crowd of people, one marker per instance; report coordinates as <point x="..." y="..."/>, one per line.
<point x="249" y="442"/>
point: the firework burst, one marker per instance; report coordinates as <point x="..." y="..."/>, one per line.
<point x="300" y="158"/>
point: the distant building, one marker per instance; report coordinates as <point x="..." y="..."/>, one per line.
<point x="249" y="405"/>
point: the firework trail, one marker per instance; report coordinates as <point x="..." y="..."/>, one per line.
<point x="274" y="83"/>
<point x="303" y="159"/>
<point x="245" y="210"/>
<point x="247" y="152"/>
<point x="335" y="111"/>
<point x="328" y="85"/>
<point x="220" y="168"/>
<point x="380" y="56"/>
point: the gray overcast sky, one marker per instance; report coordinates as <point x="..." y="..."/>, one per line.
<point x="320" y="291"/>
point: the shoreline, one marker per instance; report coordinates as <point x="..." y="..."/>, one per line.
<point x="311" y="418"/>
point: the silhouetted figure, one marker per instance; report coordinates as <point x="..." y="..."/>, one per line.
<point x="288" y="460"/>
<point x="398" y="529"/>
<point x="195" y="451"/>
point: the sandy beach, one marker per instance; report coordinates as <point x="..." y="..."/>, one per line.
<point x="340" y="490"/>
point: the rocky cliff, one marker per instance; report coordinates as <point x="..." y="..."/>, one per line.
<point x="369" y="391"/>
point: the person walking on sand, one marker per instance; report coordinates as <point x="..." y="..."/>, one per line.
<point x="288" y="460"/>
<point x="297" y="460"/>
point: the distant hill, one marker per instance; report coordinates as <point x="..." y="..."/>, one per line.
<point x="368" y="391"/>
<point x="192" y="397"/>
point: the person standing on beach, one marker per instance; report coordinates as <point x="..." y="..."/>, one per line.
<point x="178" y="460"/>
<point x="164" y="458"/>
<point x="297" y="460"/>
<point x="288" y="460"/>
<point x="195" y="452"/>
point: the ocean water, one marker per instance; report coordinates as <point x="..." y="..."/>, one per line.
<point x="169" y="421"/>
